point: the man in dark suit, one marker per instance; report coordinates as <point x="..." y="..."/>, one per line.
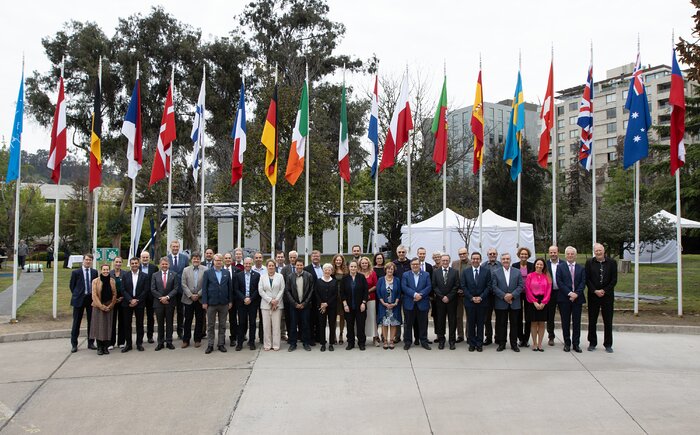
<point x="248" y="302"/>
<point x="164" y="288"/>
<point x="149" y="269"/>
<point x="81" y="300"/>
<point x="238" y="259"/>
<point x="290" y="267"/>
<point x="460" y="264"/>
<point x="601" y="277"/>
<point x="134" y="292"/>
<point x="445" y="283"/>
<point x="507" y="286"/>
<point x="217" y="297"/>
<point x="476" y="282"/>
<point x="422" y="254"/>
<point x="178" y="262"/>
<point x="316" y="271"/>
<point x="208" y="258"/>
<point x="571" y="279"/>
<point x="416" y="287"/>
<point x="552" y="264"/>
<point x="233" y="311"/>
<point x="492" y="264"/>
<point x="298" y="292"/>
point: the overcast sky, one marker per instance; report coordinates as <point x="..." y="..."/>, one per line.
<point x="420" y="34"/>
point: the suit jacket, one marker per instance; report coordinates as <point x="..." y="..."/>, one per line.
<point x="479" y="288"/>
<point x="142" y="289"/>
<point x="190" y="286"/>
<point x="151" y="270"/>
<point x="182" y="262"/>
<point x="239" y="287"/>
<point x="171" y="288"/>
<point x="310" y="268"/>
<point x="360" y="293"/>
<point x="428" y="268"/>
<point x="500" y="288"/>
<point x="291" y="296"/>
<point x="268" y="291"/>
<point x="215" y="292"/>
<point x="554" y="274"/>
<point x="409" y="289"/>
<point x="565" y="286"/>
<point x="287" y="270"/>
<point x="609" y="282"/>
<point x="77" y="286"/>
<point x="441" y="288"/>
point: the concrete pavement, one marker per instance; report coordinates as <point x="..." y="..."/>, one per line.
<point x="651" y="384"/>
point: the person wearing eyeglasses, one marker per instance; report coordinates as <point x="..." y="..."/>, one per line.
<point x="601" y="278"/>
<point x="493" y="264"/>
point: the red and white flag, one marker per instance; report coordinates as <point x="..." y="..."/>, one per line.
<point x="57" y="152"/>
<point x="164" y="151"/>
<point x="547" y="119"/>
<point x="401" y="124"/>
<point x="677" y="102"/>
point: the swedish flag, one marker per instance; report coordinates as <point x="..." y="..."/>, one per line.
<point x="511" y="153"/>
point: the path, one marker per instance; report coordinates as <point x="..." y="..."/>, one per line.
<point x="26" y="286"/>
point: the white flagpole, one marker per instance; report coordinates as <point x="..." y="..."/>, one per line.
<point x="517" y="209"/>
<point x="56" y="220"/>
<point x="481" y="172"/>
<point x="444" y="183"/>
<point x="201" y="136"/>
<point x="169" y="234"/>
<point x="272" y="230"/>
<point x="679" y="247"/>
<point x="408" y="184"/>
<point x="594" y="205"/>
<point x="134" y="243"/>
<point x="636" y="237"/>
<point x="376" y="193"/>
<point x="240" y="214"/>
<point x="341" y="243"/>
<point x="18" y="183"/>
<point x="307" y="157"/>
<point x="96" y="192"/>
<point x="555" y="161"/>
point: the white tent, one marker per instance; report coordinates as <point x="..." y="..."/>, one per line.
<point x="499" y="232"/>
<point x="664" y="254"/>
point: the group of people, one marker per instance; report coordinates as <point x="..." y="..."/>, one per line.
<point x="313" y="304"/>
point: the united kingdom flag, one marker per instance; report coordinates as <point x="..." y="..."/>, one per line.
<point x="585" y="121"/>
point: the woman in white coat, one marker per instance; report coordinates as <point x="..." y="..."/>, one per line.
<point x="271" y="289"/>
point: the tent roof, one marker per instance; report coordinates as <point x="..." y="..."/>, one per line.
<point x="453" y="220"/>
<point x="685" y="223"/>
<point x="491" y="220"/>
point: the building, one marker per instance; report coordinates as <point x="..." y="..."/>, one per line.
<point x="496" y="118"/>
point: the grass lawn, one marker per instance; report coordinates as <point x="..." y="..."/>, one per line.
<point x="38" y="308"/>
<point x="6" y="281"/>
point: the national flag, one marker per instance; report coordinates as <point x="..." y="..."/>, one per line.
<point x="677" y="101"/>
<point x="373" y="129"/>
<point x="57" y="152"/>
<point x="512" y="150"/>
<point x="585" y="121"/>
<point x="477" y="125"/>
<point x="132" y="130"/>
<point x="343" y="141"/>
<point x="636" y="139"/>
<point x="439" y="129"/>
<point x="401" y="123"/>
<point x="297" y="151"/>
<point x="13" y="163"/>
<point x="96" y="140"/>
<point x="547" y="120"/>
<point x="164" y="150"/>
<point x="270" y="140"/>
<point x="198" y="131"/>
<point x="239" y="140"/>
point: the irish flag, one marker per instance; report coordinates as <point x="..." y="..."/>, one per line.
<point x="297" y="152"/>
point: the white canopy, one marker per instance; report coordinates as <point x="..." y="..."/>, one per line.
<point x="664" y="254"/>
<point x="498" y="232"/>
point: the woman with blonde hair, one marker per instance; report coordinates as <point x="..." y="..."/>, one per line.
<point x="271" y="289"/>
<point x="340" y="271"/>
<point x="371" y="277"/>
<point x="104" y="296"/>
<point x="388" y="295"/>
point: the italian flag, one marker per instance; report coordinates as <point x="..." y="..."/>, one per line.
<point x="295" y="163"/>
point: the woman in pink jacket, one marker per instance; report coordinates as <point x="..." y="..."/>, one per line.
<point x="538" y="288"/>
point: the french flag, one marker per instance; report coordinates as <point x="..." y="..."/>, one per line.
<point x="239" y="140"/>
<point x="373" y="130"/>
<point x="131" y="129"/>
<point x="677" y="101"/>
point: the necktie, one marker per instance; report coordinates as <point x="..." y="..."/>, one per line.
<point x="87" y="281"/>
<point x="165" y="280"/>
<point x="175" y="260"/>
<point x="134" y="280"/>
<point x="444" y="276"/>
<point x="572" y="270"/>
<point x="476" y="275"/>
<point x="247" y="284"/>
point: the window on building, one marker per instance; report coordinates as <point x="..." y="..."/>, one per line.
<point x="560" y="150"/>
<point x="573" y="106"/>
<point x="500" y="137"/>
<point x="560" y="137"/>
<point x="612" y="142"/>
<point x="573" y="119"/>
<point x="611" y="128"/>
<point x="664" y="119"/>
<point x="663" y="87"/>
<point x="562" y="164"/>
<point x="610" y="98"/>
<point x="611" y="113"/>
<point x="612" y="156"/>
<point x="573" y="134"/>
<point x="624" y="124"/>
<point x="624" y="94"/>
<point x="560" y="110"/>
<point x="574" y="147"/>
<point x="662" y="103"/>
<point x="560" y="123"/>
<point x="500" y="115"/>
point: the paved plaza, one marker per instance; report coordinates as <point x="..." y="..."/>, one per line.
<point x="651" y="384"/>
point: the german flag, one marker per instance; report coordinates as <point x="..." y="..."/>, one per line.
<point x="96" y="141"/>
<point x="270" y="140"/>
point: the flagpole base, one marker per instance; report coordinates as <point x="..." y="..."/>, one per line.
<point x="13" y="321"/>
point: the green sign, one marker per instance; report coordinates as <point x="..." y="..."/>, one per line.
<point x="106" y="254"/>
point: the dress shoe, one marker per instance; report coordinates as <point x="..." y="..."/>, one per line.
<point x="92" y="346"/>
<point x="567" y="348"/>
<point x="251" y="346"/>
<point x="323" y="348"/>
<point x="416" y="342"/>
<point x="534" y="349"/>
<point x="551" y="342"/>
<point x="361" y="346"/>
<point x="159" y="347"/>
<point x="125" y="349"/>
<point x="222" y="348"/>
<point x="330" y="348"/>
<point x="209" y="350"/>
<point x="140" y="348"/>
<point x="501" y="348"/>
<point x="426" y="346"/>
<point x="232" y="342"/>
<point x="577" y="349"/>
<point x="239" y="347"/>
<point x="609" y="349"/>
<point x="429" y="341"/>
<point x="591" y="348"/>
<point x="452" y="346"/>
<point x="150" y="340"/>
<point x="460" y="339"/>
<point x="441" y="345"/>
<point x="350" y="346"/>
<point x="308" y="348"/>
<point x="170" y="346"/>
<point x="515" y="348"/>
<point x="185" y="345"/>
<point x="406" y="346"/>
<point x="540" y="349"/>
<point x="73" y="349"/>
<point x="472" y="348"/>
<point x="100" y="351"/>
<point x="487" y="342"/>
<point x="197" y="343"/>
<point x="524" y="344"/>
<point x="479" y="349"/>
<point x="292" y="348"/>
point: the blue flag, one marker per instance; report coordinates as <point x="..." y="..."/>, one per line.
<point x="636" y="139"/>
<point x="511" y="153"/>
<point x="372" y="131"/>
<point x="16" y="141"/>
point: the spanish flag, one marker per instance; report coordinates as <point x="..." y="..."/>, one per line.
<point x="270" y="140"/>
<point x="477" y="125"/>
<point x="96" y="140"/>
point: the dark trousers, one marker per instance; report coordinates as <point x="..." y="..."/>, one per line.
<point x="551" y="313"/>
<point x="150" y="316"/>
<point x="196" y="312"/>
<point x="604" y="305"/>
<point x="180" y="313"/>
<point x="314" y="323"/>
<point x="233" y="322"/>
<point x="475" y="323"/>
<point x="78" y="319"/>
<point x="570" y="312"/>
<point x="488" y="315"/>
<point x="355" y="320"/>
<point x="117" y="325"/>
<point x="128" y="313"/>
<point x="20" y="261"/>
<point x="419" y="317"/>
<point x="445" y="314"/>
<point x="328" y="317"/>
<point x="524" y="322"/>
<point x="164" y="316"/>
<point x="503" y="317"/>
<point x="299" y="325"/>
<point x="247" y="315"/>
<point x="459" y="316"/>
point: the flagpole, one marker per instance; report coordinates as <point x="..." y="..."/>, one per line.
<point x="134" y="243"/>
<point x="408" y="183"/>
<point x="517" y="209"/>
<point x="481" y="171"/>
<point x="679" y="247"/>
<point x="376" y="188"/>
<point x="636" y="237"/>
<point x="307" y="157"/>
<point x="56" y="220"/>
<point x="18" y="183"/>
<point x="594" y="205"/>
<point x="444" y="180"/>
<point x="274" y="186"/>
<point x="169" y="234"/>
<point x="200" y="137"/>
<point x="341" y="244"/>
<point x="96" y="196"/>
<point x="555" y="160"/>
<point x="239" y="239"/>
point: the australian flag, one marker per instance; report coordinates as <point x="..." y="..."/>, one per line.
<point x="636" y="139"/>
<point x="585" y="121"/>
